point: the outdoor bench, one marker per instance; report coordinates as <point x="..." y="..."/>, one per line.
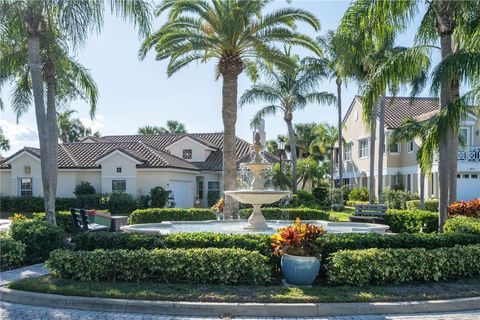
<point x="81" y="223"/>
<point x="373" y="213"/>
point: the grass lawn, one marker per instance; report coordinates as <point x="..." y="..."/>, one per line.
<point x="273" y="293"/>
<point x="343" y="215"/>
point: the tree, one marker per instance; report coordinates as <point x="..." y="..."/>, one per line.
<point x="36" y="38"/>
<point x="305" y="134"/>
<point x="231" y="32"/>
<point x="72" y="130"/>
<point x="287" y="91"/>
<point x="149" y="130"/>
<point x="327" y="136"/>
<point x="4" y="142"/>
<point x="172" y="126"/>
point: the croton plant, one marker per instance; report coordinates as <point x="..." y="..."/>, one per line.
<point x="297" y="240"/>
<point x="465" y="208"/>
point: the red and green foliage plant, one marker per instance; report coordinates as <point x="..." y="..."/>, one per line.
<point x="465" y="208"/>
<point x="297" y="240"/>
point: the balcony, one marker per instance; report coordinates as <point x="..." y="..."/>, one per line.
<point x="468" y="154"/>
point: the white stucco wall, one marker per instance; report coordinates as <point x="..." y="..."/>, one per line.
<point x="151" y="178"/>
<point x="199" y="152"/>
<point x="108" y="173"/>
<point x="92" y="176"/>
<point x="66" y="182"/>
<point x="18" y="171"/>
<point x="5" y="181"/>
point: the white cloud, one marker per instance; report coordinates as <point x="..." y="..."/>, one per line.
<point x="97" y="124"/>
<point x="20" y="135"/>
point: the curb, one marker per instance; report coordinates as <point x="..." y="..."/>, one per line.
<point x="235" y="309"/>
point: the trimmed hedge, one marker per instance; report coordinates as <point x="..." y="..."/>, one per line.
<point x="39" y="237"/>
<point x="288" y="213"/>
<point x="211" y="265"/>
<point x="462" y="225"/>
<point x="12" y="254"/>
<point x="353" y="203"/>
<point x="157" y="215"/>
<point x="64" y="220"/>
<point x="411" y="221"/>
<point x="378" y="266"/>
<point x="430" y="205"/>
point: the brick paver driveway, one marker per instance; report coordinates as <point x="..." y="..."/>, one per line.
<point x="13" y="311"/>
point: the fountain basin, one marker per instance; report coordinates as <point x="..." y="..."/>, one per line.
<point x="238" y="227"/>
<point x="257" y="196"/>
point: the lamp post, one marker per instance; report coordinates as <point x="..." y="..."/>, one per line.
<point x="281" y="150"/>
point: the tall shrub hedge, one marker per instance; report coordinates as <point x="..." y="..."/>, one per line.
<point x="64" y="220"/>
<point x="411" y="221"/>
<point x="12" y="254"/>
<point x="288" y="213"/>
<point x="157" y="215"/>
<point x="430" y="205"/>
<point x="211" y="265"/>
<point x="378" y="266"/>
<point x="462" y="225"/>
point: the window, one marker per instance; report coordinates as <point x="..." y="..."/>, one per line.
<point x="394" y="148"/>
<point x="119" y="185"/>
<point x="474" y="176"/>
<point x="466" y="176"/>
<point x="213" y="192"/>
<point x="464" y="136"/>
<point x="409" y="182"/>
<point x="200" y="189"/>
<point x="187" y="154"/>
<point x="363" y="148"/>
<point x="347" y="155"/>
<point x="346" y="181"/>
<point x="119" y="169"/>
<point x="26" y="187"/>
<point x="411" y="146"/>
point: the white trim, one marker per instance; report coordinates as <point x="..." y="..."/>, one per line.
<point x="412" y="143"/>
<point x="21" y="154"/>
<point x="397" y="152"/>
<point x="172" y="170"/>
<point x="193" y="140"/>
<point x="111" y="154"/>
<point x="119" y="177"/>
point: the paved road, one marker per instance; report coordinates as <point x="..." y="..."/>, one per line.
<point x="12" y="311"/>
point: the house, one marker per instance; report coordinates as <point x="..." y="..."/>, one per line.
<point x="400" y="165"/>
<point x="187" y="164"/>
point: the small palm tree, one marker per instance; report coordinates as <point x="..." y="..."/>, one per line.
<point x="149" y="130"/>
<point x="173" y="127"/>
<point x="4" y="142"/>
<point x="72" y="129"/>
<point x="234" y="33"/>
<point x="287" y="91"/>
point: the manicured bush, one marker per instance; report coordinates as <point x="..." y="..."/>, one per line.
<point x="411" y="221"/>
<point x="462" y="225"/>
<point x="39" y="237"/>
<point x="156" y="215"/>
<point x="21" y="204"/>
<point x="84" y="188"/>
<point x="397" y="199"/>
<point x="159" y="197"/>
<point x="64" y="219"/>
<point x="465" y="208"/>
<point x="378" y="266"/>
<point x="12" y="254"/>
<point x="118" y="202"/>
<point x="430" y="205"/>
<point x="353" y="203"/>
<point x="288" y="213"/>
<point x="358" y="194"/>
<point x="303" y="199"/>
<point x="210" y="265"/>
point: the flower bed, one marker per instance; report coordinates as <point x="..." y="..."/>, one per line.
<point x="207" y="265"/>
<point x="377" y="266"/>
<point x="157" y="215"/>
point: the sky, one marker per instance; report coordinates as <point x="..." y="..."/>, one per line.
<point x="135" y="93"/>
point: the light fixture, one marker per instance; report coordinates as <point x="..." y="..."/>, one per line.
<point x="281" y="145"/>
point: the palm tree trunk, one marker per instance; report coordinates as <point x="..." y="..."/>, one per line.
<point x="422" y="190"/>
<point x="444" y="24"/>
<point x="332" y="183"/>
<point x="229" y="115"/>
<point x="293" y="149"/>
<point x="452" y="196"/>
<point x="371" y="182"/>
<point x="381" y="148"/>
<point x="340" y="141"/>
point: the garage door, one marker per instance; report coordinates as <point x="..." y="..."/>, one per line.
<point x="182" y="192"/>
<point x="468" y="186"/>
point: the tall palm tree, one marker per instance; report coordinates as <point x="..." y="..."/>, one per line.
<point x="305" y="134"/>
<point x="4" y="142"/>
<point x="233" y="33"/>
<point x="173" y="127"/>
<point x="149" y="130"/>
<point x="72" y="129"/>
<point x="45" y="31"/>
<point x="287" y="91"/>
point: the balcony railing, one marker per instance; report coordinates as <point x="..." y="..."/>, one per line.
<point x="468" y="154"/>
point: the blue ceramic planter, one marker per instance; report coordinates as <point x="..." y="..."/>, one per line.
<point x="298" y="270"/>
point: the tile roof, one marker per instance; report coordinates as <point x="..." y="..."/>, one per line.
<point x="398" y="109"/>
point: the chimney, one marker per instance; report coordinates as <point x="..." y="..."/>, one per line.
<point x="260" y="128"/>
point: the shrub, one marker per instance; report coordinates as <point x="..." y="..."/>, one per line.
<point x="211" y="265"/>
<point x="353" y="203"/>
<point x="303" y="199"/>
<point x="84" y="188"/>
<point x="64" y="220"/>
<point x="157" y="215"/>
<point x="462" y="225"/>
<point x="12" y="254"/>
<point x="430" y="205"/>
<point x="378" y="266"/>
<point x="465" y="208"/>
<point x="358" y="194"/>
<point x="118" y="202"/>
<point x="39" y="237"/>
<point x="411" y="221"/>
<point x="159" y="197"/>
<point x="89" y="201"/>
<point x="288" y="214"/>
<point x="18" y="217"/>
<point x="321" y="194"/>
<point x="397" y="199"/>
<point x="21" y="204"/>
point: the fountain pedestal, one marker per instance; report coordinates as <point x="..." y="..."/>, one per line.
<point x="257" y="221"/>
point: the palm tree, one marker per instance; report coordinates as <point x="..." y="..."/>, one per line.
<point x="150" y="130"/>
<point x="4" y="142"/>
<point x="36" y="39"/>
<point x="305" y="135"/>
<point x="72" y="130"/>
<point x="287" y="91"/>
<point x="173" y="127"/>
<point x="233" y="33"/>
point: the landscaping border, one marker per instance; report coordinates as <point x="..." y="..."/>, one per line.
<point x="236" y="309"/>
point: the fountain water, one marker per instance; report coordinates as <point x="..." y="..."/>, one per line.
<point x="257" y="195"/>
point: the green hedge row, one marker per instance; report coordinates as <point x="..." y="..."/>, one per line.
<point x="39" y="238"/>
<point x="430" y="205"/>
<point x="462" y="225"/>
<point x="411" y="221"/>
<point x="12" y="254"/>
<point x="157" y="215"/>
<point x="212" y="265"/>
<point x="64" y="220"/>
<point x="288" y="213"/>
<point x="378" y="266"/>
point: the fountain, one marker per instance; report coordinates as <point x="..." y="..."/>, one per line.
<point x="257" y="195"/>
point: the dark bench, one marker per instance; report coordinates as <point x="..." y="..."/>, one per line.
<point x="81" y="223"/>
<point x="373" y="213"/>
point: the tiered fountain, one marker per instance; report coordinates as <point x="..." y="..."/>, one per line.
<point x="257" y="195"/>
